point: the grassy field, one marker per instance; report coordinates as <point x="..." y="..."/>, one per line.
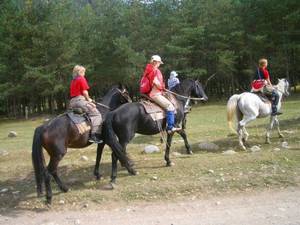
<point x="196" y="176"/>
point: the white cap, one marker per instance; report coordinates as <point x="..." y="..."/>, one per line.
<point x="173" y="74"/>
<point x="156" y="58"/>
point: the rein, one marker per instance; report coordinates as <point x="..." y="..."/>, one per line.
<point x="100" y="104"/>
<point x="107" y="107"/>
<point x="182" y="96"/>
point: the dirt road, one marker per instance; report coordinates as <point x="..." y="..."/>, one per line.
<point x="280" y="207"/>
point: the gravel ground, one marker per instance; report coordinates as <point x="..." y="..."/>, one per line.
<point x="280" y="207"/>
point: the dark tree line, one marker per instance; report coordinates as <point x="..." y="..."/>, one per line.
<point x="41" y="41"/>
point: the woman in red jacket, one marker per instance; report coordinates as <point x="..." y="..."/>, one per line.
<point x="157" y="88"/>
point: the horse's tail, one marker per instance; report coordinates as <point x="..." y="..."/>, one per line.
<point x="38" y="160"/>
<point x="112" y="141"/>
<point x="231" y="109"/>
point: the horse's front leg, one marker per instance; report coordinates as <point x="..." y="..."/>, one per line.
<point x="167" y="152"/>
<point x="182" y="133"/>
<point x="278" y="128"/>
<point x="269" y="129"/>
<point x="98" y="160"/>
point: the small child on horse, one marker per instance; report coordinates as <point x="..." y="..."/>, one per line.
<point x="262" y="83"/>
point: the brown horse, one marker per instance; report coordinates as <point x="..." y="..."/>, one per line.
<point x="60" y="133"/>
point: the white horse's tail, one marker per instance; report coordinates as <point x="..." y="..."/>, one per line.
<point x="231" y="110"/>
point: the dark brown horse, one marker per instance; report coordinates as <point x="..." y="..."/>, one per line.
<point x="60" y="133"/>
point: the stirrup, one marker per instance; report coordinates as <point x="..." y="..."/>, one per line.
<point x="173" y="130"/>
<point x="94" y="139"/>
<point x="276" y="113"/>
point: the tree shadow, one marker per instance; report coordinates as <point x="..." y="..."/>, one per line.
<point x="22" y="191"/>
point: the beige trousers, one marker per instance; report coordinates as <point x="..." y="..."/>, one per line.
<point x="92" y="112"/>
<point x="163" y="102"/>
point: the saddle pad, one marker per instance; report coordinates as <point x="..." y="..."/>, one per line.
<point x="80" y="122"/>
<point x="264" y="98"/>
<point x="83" y="127"/>
<point x="155" y="111"/>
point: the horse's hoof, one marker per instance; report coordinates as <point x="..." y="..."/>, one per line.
<point x="189" y="152"/>
<point x="39" y="194"/>
<point x="244" y="148"/>
<point x="110" y="186"/>
<point x="98" y="176"/>
<point x="64" y="189"/>
<point x="268" y="142"/>
<point x="48" y="201"/>
<point x="169" y="164"/>
<point x="133" y="172"/>
<point x="281" y="136"/>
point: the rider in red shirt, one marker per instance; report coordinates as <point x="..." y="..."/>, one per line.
<point x="263" y="83"/>
<point x="80" y="99"/>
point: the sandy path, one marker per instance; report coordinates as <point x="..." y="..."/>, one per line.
<point x="280" y="207"/>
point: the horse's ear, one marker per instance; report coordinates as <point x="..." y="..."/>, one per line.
<point x="120" y="86"/>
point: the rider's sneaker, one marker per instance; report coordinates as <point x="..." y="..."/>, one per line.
<point x="276" y="113"/>
<point x="173" y="130"/>
<point x="94" y="139"/>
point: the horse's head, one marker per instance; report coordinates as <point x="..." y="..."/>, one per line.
<point x="198" y="91"/>
<point x="116" y="96"/>
<point x="283" y="86"/>
<point x="124" y="95"/>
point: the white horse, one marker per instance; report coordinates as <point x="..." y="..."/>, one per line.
<point x="248" y="106"/>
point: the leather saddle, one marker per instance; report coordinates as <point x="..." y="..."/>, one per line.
<point x="80" y="119"/>
<point x="155" y="111"/>
<point x="263" y="97"/>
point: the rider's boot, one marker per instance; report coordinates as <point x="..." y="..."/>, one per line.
<point x="95" y="135"/>
<point x="170" y="122"/>
<point x="275" y="100"/>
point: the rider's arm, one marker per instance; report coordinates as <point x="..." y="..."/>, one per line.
<point x="268" y="81"/>
<point x="87" y="97"/>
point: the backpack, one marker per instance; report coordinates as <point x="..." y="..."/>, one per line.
<point x="145" y="86"/>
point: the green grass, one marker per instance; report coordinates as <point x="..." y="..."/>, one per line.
<point x="189" y="178"/>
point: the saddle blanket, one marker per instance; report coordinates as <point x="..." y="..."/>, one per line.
<point x="80" y="121"/>
<point x="155" y="111"/>
<point x="263" y="97"/>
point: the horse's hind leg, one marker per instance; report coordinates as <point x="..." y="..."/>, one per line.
<point x="241" y="135"/>
<point x="168" y="146"/>
<point x="269" y="129"/>
<point x="48" y="186"/>
<point x="114" y="167"/>
<point x="98" y="159"/>
<point x="186" y="143"/>
<point x="52" y="168"/>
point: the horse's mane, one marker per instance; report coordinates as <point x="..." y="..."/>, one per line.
<point x="180" y="87"/>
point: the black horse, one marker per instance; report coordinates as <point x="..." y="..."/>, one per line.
<point x="60" y="133"/>
<point x="121" y="125"/>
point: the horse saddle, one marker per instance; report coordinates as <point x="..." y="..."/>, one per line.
<point x="80" y="119"/>
<point x="265" y="98"/>
<point x="155" y="111"/>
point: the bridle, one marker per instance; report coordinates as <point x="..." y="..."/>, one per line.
<point x="122" y="92"/>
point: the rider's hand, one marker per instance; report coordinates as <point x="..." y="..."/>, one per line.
<point x="92" y="104"/>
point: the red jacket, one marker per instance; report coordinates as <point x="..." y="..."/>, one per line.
<point x="151" y="73"/>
